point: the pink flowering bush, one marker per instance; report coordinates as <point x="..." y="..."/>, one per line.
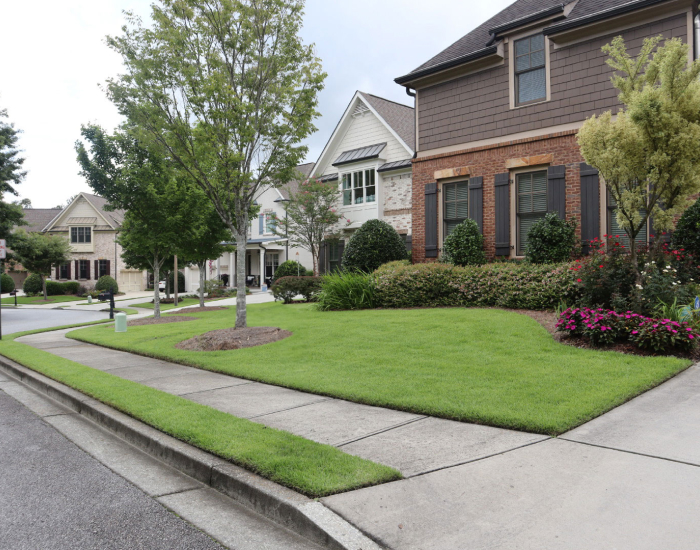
<point x="604" y="327"/>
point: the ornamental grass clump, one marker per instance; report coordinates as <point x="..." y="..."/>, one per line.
<point x="342" y="290"/>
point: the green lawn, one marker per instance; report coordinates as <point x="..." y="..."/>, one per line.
<point x="25" y="300"/>
<point x="180" y="303"/>
<point x="486" y="366"/>
<point x="311" y="468"/>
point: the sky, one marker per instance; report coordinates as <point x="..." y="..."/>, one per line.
<point x="55" y="61"/>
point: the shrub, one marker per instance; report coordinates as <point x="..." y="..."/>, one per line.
<point x="291" y="268"/>
<point x="465" y="245"/>
<point x="687" y="234"/>
<point x="71" y="287"/>
<point x="551" y="240"/>
<point x="511" y="285"/>
<point x="54" y="288"/>
<point x="180" y="281"/>
<point x="105" y="283"/>
<point x="347" y="290"/>
<point x="373" y="244"/>
<point x="286" y="288"/>
<point x="6" y="283"/>
<point x="33" y="285"/>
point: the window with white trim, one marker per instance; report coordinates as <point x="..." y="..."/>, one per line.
<point x="359" y="187"/>
<point x="530" y="70"/>
<point x="270" y="222"/>
<point x="530" y="205"/>
<point x="79" y="235"/>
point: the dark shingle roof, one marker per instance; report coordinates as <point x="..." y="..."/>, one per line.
<point x="293" y="186"/>
<point x="115" y="217"/>
<point x="480" y="39"/>
<point x="400" y="117"/>
<point x="38" y="218"/>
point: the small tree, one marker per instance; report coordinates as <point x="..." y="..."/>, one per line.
<point x="465" y="245"/>
<point x="551" y="240"/>
<point x="11" y="174"/>
<point x="39" y="253"/>
<point x="687" y="234"/>
<point x="372" y="245"/>
<point x="310" y="215"/>
<point x="648" y="155"/>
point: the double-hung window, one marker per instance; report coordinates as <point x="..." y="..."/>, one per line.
<point x="102" y="268"/>
<point x="531" y="204"/>
<point x="455" y="205"/>
<point x="359" y="187"/>
<point x="63" y="271"/>
<point x="333" y="256"/>
<point x="83" y="269"/>
<point x="80" y="235"/>
<point x="530" y="71"/>
<point x="615" y="230"/>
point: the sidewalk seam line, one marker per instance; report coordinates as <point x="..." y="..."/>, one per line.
<point x="630" y="452"/>
<point x="394" y="427"/>
<point x="290" y="408"/>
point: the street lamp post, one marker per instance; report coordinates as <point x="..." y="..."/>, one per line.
<point x="286" y="231"/>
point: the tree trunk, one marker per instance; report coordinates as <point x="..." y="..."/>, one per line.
<point x="43" y="285"/>
<point x="202" y="267"/>
<point x="241" y="242"/>
<point x="156" y="290"/>
<point x="167" y="285"/>
<point x="315" y="260"/>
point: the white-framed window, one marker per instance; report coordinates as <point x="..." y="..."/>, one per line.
<point x="272" y="262"/>
<point x="530" y="70"/>
<point x="530" y="204"/>
<point x="79" y="235"/>
<point x="359" y="187"/>
<point x="269" y="223"/>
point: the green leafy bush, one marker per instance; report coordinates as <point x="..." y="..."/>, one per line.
<point x="347" y="290"/>
<point x="71" y="287"/>
<point x="465" y="245"/>
<point x="551" y="240"/>
<point x="7" y="283"/>
<point x="291" y="268"/>
<point x="286" y="288"/>
<point x="54" y="288"/>
<point x="105" y="283"/>
<point x="372" y="245"/>
<point x="180" y="281"/>
<point x="33" y="285"/>
<point x="687" y="235"/>
<point x="511" y="285"/>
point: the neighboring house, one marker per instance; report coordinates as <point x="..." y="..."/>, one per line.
<point x="369" y="156"/>
<point x="35" y="219"/>
<point x="265" y="251"/>
<point x="92" y="232"/>
<point x="497" y="115"/>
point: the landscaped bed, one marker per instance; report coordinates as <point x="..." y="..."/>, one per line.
<point x="487" y="366"/>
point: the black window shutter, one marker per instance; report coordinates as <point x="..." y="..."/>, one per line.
<point x="476" y="201"/>
<point x="68" y="275"/>
<point x="97" y="269"/>
<point x="322" y="258"/>
<point x="431" y="222"/>
<point x="341" y="249"/>
<point x="502" y="203"/>
<point x="77" y="270"/>
<point x="556" y="190"/>
<point x="590" y="205"/>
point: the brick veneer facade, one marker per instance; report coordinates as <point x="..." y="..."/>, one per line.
<point x="488" y="161"/>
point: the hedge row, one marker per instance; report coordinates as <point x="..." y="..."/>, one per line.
<point x="33" y="286"/>
<point x="509" y="285"/>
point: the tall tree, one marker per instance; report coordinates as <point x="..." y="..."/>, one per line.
<point x="39" y="253"/>
<point x="648" y="154"/>
<point x="310" y="215"/>
<point x="229" y="90"/>
<point x="11" y="174"/>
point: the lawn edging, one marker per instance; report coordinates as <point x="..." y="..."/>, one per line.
<point x="299" y="513"/>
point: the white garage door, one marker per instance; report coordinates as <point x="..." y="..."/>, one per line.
<point x="130" y="281"/>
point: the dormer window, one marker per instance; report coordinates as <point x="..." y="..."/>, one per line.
<point x="79" y="235"/>
<point x="530" y="71"/>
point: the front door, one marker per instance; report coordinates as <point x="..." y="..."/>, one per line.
<point x="272" y="262"/>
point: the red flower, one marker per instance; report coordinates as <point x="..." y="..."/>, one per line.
<point x="578" y="280"/>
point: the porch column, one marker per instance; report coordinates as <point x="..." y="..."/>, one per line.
<point x="262" y="267"/>
<point x="218" y="268"/>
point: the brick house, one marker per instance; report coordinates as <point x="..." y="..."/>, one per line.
<point x="498" y="111"/>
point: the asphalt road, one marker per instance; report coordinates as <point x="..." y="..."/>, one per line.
<point x="21" y="319"/>
<point x="53" y="496"/>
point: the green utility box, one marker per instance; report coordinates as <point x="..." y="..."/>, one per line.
<point x="120" y="322"/>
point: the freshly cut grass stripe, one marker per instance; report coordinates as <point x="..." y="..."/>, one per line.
<point x="311" y="468"/>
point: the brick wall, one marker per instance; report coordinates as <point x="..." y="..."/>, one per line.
<point x="487" y="162"/>
<point x="397" y="201"/>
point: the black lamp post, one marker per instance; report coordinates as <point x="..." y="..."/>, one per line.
<point x="286" y="233"/>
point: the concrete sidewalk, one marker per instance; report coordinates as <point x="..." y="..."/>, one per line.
<point x="627" y="480"/>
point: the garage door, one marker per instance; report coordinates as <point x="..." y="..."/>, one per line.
<point x="130" y="281"/>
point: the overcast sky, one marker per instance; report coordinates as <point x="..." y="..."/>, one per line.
<point x="55" y="57"/>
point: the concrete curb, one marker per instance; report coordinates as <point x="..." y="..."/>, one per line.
<point x="304" y="516"/>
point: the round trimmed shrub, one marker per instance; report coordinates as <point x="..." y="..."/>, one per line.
<point x="33" y="285"/>
<point x="180" y="281"/>
<point x="291" y="268"/>
<point x="465" y="245"/>
<point x="7" y="283"/>
<point x="551" y="240"/>
<point x="372" y="245"/>
<point x="106" y="282"/>
<point x="687" y="234"/>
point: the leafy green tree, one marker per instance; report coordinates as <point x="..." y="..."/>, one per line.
<point x="648" y="154"/>
<point x="11" y="174"/>
<point x="310" y="215"/>
<point x="39" y="253"/>
<point x="687" y="234"/>
<point x="229" y="91"/>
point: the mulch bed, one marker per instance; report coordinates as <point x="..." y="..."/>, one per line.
<point x="199" y="309"/>
<point x="161" y="321"/>
<point x="233" y="338"/>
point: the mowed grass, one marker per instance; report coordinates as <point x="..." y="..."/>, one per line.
<point x="489" y="366"/>
<point x="180" y="303"/>
<point x="311" y="468"/>
<point x="34" y="300"/>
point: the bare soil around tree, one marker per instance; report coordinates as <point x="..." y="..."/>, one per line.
<point x="233" y="338"/>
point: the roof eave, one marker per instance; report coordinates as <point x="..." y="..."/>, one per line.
<point x="599" y="16"/>
<point x="412" y="77"/>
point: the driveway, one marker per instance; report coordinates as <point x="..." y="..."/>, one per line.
<point x="25" y="318"/>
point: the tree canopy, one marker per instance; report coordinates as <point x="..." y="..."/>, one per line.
<point x="11" y="174"/>
<point x="39" y="253"/>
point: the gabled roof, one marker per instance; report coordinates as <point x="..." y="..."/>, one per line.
<point x="479" y="42"/>
<point x="293" y="186"/>
<point x="37" y="218"/>
<point x="112" y="219"/>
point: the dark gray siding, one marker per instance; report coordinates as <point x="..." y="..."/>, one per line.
<point x="476" y="107"/>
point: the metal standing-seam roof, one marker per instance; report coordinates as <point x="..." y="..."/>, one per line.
<point x="362" y="153"/>
<point x="397" y="165"/>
